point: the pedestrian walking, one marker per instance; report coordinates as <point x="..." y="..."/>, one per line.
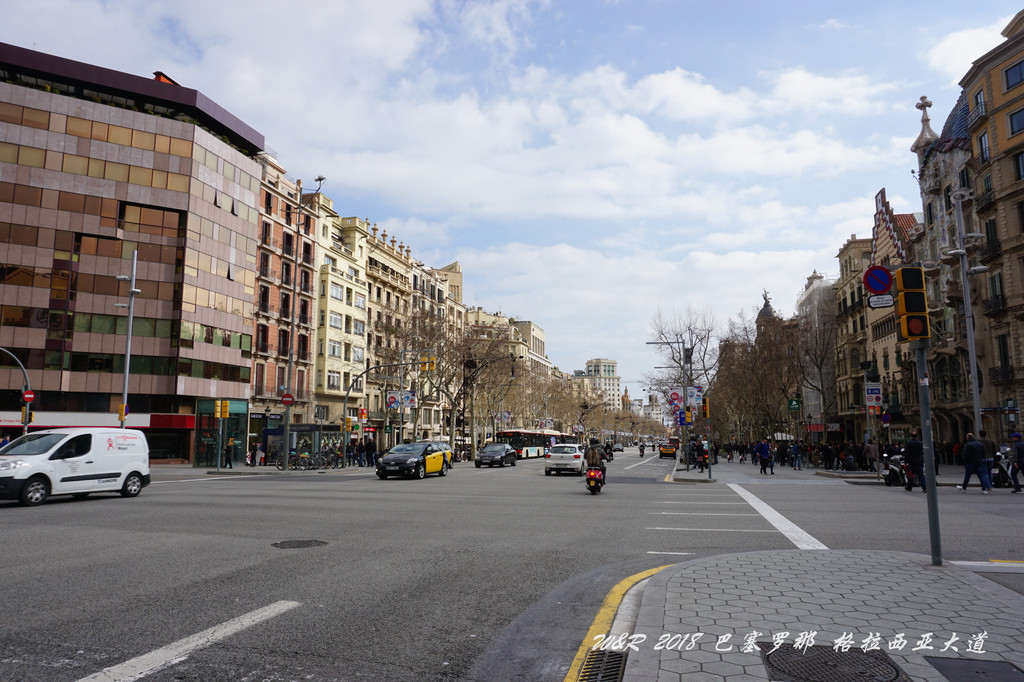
<point x="990" y="452"/>
<point x="973" y="454"/>
<point x="914" y="452"/>
<point x="227" y="457"/>
<point x="798" y="456"/>
<point x="871" y="455"/>
<point x="1016" y="460"/>
<point x="764" y="455"/>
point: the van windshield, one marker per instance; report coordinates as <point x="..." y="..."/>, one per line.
<point x="33" y="444"/>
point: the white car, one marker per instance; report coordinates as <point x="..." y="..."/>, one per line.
<point x="565" y="457"/>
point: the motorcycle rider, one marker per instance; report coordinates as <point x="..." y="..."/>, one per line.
<point x="641" y="449"/>
<point x="595" y="458"/>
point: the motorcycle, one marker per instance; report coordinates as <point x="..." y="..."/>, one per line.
<point x="1001" y="469"/>
<point x="897" y="472"/>
<point x="641" y="450"/>
<point x="595" y="480"/>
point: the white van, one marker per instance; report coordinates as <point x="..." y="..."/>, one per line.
<point x="74" y="462"/>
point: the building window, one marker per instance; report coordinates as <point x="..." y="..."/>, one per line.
<point x="1018" y="166"/>
<point x="1014" y="75"/>
<point x="983" y="147"/>
<point x="337" y="291"/>
<point x="334" y="349"/>
<point x="1016" y="121"/>
<point x="334" y="381"/>
<point x="336" y="320"/>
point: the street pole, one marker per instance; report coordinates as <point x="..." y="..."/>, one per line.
<point x="920" y="346"/>
<point x="958" y="197"/>
<point x="130" y="305"/>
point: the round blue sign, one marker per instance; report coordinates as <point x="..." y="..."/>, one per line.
<point x="877" y="280"/>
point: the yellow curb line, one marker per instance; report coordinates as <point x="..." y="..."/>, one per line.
<point x="604" y="618"/>
<point x="1006" y="561"/>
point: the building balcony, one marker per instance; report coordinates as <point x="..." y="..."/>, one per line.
<point x="984" y="200"/>
<point x="266" y="309"/>
<point x="990" y="249"/>
<point x="994" y="304"/>
<point x="1001" y="374"/>
<point x="976" y="116"/>
<point x="265" y="349"/>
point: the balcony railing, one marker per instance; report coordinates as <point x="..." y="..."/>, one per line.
<point x="994" y="304"/>
<point x="990" y="249"/>
<point x="1000" y="374"/>
<point x="266" y="348"/>
<point x="977" y="114"/>
<point x="983" y="200"/>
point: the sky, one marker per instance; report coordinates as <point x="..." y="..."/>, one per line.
<point x="590" y="164"/>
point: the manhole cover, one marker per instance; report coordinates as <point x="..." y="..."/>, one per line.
<point x="821" y="663"/>
<point x="298" y="544"/>
<point x="966" y="670"/>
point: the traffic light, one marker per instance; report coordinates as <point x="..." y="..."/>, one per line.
<point x="689" y="414"/>
<point x="432" y="364"/>
<point x="912" y="304"/>
<point x="704" y="407"/>
<point x="424" y="363"/>
<point x="122" y="412"/>
<point x="31" y="415"/>
<point x="348" y="423"/>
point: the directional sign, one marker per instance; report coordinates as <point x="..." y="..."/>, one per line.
<point x="287" y="399"/>
<point x="28" y="396"/>
<point x="877" y="280"/>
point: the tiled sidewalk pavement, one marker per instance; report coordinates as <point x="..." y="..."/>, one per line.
<point x="832" y="593"/>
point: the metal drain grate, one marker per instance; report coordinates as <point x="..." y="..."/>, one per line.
<point x="298" y="544"/>
<point x="820" y="663"/>
<point x="603" y="666"/>
<point x="967" y="670"/>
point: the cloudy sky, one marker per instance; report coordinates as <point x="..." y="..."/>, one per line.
<point x="588" y="162"/>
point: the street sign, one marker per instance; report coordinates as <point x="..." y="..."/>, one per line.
<point x="794" y="404"/>
<point x="873" y="394"/>
<point x="287" y="399"/>
<point x="886" y="418"/>
<point x="877" y="280"/>
<point x="28" y="396"/>
<point x="881" y="301"/>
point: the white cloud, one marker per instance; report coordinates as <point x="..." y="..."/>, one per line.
<point x="953" y="55"/>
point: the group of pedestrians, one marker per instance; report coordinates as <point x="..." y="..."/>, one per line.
<point x="978" y="455"/>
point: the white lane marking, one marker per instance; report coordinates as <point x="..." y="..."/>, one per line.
<point x="739" y="503"/>
<point x="702" y="514"/>
<point x="672" y="553"/>
<point x="719" y="530"/>
<point x="174" y="653"/>
<point x="799" y="537"/>
<point x="211" y="479"/>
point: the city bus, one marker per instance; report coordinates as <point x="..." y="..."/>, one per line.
<point x="530" y="442"/>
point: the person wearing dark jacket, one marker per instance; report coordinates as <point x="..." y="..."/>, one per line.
<point x="1017" y="460"/>
<point x="973" y="453"/>
<point x="914" y="452"/>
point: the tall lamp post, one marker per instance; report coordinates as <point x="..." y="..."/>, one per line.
<point x="130" y="305"/>
<point x="959" y="196"/>
<point x="287" y="417"/>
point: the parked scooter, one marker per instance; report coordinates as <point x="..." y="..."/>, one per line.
<point x="897" y="472"/>
<point x="1001" y="471"/>
<point x="595" y="480"/>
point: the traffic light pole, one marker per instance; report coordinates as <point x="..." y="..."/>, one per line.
<point x="924" y="400"/>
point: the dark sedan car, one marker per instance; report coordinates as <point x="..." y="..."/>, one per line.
<point x="496" y="453"/>
<point x="415" y="459"/>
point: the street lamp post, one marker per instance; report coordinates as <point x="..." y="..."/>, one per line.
<point x="959" y="196"/>
<point x="130" y="305"/>
<point x="287" y="417"/>
<point x="266" y="426"/>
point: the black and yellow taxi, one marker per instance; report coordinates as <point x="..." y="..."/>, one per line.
<point x="668" y="448"/>
<point x="416" y="460"/>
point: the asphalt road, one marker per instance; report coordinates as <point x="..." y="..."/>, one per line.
<point x="484" y="574"/>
